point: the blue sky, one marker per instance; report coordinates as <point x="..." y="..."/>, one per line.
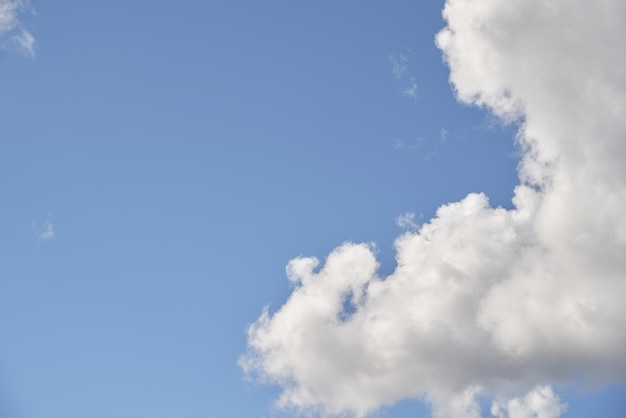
<point x="161" y="163"/>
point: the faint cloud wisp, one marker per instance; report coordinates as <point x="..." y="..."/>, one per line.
<point x="411" y="90"/>
<point x="407" y="221"/>
<point x="443" y="135"/>
<point x="398" y="65"/>
<point x="427" y="152"/>
<point x="13" y="35"/>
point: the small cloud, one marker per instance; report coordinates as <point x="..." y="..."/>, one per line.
<point x="411" y="90"/>
<point x="46" y="232"/>
<point x="407" y="221"/>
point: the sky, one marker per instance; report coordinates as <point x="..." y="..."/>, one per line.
<point x="401" y="209"/>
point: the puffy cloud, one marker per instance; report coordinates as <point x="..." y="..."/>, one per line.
<point x="12" y="32"/>
<point x="485" y="302"/>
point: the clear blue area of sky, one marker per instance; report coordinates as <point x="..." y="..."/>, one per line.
<point x="184" y="152"/>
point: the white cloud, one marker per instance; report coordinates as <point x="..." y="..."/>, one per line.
<point x="12" y="33"/>
<point x="46" y="232"/>
<point x="485" y="301"/>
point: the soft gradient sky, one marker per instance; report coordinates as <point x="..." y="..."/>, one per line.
<point x="161" y="162"/>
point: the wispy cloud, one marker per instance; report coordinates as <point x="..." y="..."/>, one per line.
<point x="408" y="145"/>
<point x="420" y="146"/>
<point x="407" y="221"/>
<point x="13" y="35"/>
<point x="443" y="135"/>
<point x="485" y="303"/>
<point x="411" y="89"/>
<point x="398" y="65"/>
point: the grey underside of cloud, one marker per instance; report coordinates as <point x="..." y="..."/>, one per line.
<point x="485" y="302"/>
<point x="13" y="35"/>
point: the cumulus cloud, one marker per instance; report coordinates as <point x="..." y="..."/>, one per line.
<point x="12" y="33"/>
<point x="485" y="303"/>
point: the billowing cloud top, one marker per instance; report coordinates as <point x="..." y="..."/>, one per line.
<point x="485" y="301"/>
<point x="12" y="33"/>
